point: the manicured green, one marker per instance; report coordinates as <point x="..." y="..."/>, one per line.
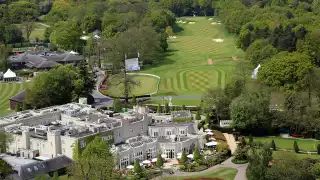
<point x="8" y="90"/>
<point x="185" y="70"/>
<point x="148" y="84"/>
<point x="223" y="173"/>
<point x="287" y="143"/>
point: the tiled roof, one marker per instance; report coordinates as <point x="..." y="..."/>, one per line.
<point x="19" y="97"/>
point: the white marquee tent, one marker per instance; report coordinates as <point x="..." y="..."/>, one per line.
<point x="9" y="76"/>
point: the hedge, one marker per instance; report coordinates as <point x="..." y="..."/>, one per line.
<point x="178" y="120"/>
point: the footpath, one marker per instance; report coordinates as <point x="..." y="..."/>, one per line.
<point x="231" y="142"/>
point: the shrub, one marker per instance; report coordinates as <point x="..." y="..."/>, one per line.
<point x="137" y="168"/>
<point x="134" y="100"/>
<point x="222" y="147"/>
<point x="218" y="135"/>
<point x="159" y="162"/>
<point x="182" y="167"/>
<point x="182" y="119"/>
<point x="295" y="147"/>
<point x="200" y="168"/>
<point x="117" y="105"/>
<point x="183" y="158"/>
<point x="17" y="108"/>
<point x="196" y="155"/>
<point x="273" y="145"/>
<point x="24" y="106"/>
<point x="238" y="161"/>
<point x="159" y="108"/>
<point x="166" y="108"/>
<point x="250" y="139"/>
<point x="316" y="170"/>
<point x="183" y="107"/>
<point x="198" y="117"/>
<point x="196" y="164"/>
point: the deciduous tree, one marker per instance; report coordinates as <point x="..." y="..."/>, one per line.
<point x="260" y="52"/>
<point x="250" y="110"/>
<point x="287" y="70"/>
<point x="5" y="140"/>
<point x="66" y="35"/>
<point x="95" y="162"/>
<point x="28" y="28"/>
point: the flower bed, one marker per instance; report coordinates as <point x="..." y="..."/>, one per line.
<point x="238" y="161"/>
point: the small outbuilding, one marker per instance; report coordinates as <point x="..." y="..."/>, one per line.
<point x="9" y="76"/>
<point x="17" y="99"/>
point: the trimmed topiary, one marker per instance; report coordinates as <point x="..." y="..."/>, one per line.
<point x="296" y="147"/>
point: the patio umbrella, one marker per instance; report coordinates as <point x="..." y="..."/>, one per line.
<point x="164" y="156"/>
<point x="154" y="160"/>
<point x="209" y="133"/>
<point x="212" y="143"/>
<point x="130" y="167"/>
<point x="146" y="162"/>
<point x="141" y="164"/>
<point x="208" y="130"/>
<point x="190" y="156"/>
<point x="179" y="154"/>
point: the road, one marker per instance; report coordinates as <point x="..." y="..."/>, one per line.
<point x="100" y="99"/>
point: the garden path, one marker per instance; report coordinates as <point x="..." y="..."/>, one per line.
<point x="231" y="142"/>
<point x="241" y="175"/>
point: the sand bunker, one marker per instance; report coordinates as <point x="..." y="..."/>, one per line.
<point x="191" y="22"/>
<point x="209" y="61"/>
<point x="235" y="58"/>
<point x="218" y="40"/>
<point x="213" y="23"/>
<point x="210" y="19"/>
<point x="181" y="22"/>
<point x="172" y="37"/>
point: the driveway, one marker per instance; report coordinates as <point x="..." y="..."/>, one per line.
<point x="100" y="99"/>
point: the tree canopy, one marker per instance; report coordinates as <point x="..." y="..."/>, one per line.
<point x="60" y="85"/>
<point x="250" y="110"/>
<point x="287" y="70"/>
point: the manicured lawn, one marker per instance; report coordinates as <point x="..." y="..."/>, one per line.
<point x="223" y="173"/>
<point x="177" y="101"/>
<point x="185" y="70"/>
<point x="281" y="154"/>
<point x="8" y="90"/>
<point x="148" y="84"/>
<point x="287" y="143"/>
<point x="38" y="32"/>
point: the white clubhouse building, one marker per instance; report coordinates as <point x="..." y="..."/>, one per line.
<point x="49" y="132"/>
